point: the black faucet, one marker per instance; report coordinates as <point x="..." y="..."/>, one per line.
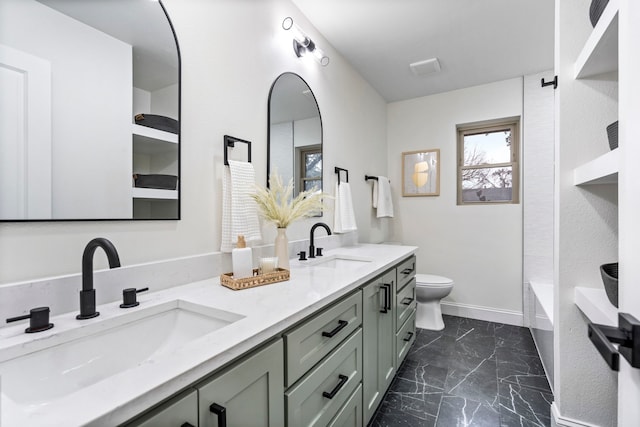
<point x="88" y="294"/>
<point x="312" y="249"/>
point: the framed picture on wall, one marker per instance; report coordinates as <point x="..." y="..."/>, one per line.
<point x="421" y="173"/>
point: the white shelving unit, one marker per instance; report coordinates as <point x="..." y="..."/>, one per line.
<point x="601" y="170"/>
<point x="153" y="193"/>
<point x="147" y="133"/>
<point x="596" y="306"/>
<point x="600" y="52"/>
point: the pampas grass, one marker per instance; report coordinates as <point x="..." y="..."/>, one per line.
<point x="277" y="205"/>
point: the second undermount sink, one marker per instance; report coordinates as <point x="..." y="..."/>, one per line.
<point x="106" y="349"/>
<point x="340" y="261"/>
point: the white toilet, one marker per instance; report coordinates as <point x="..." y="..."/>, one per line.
<point x="430" y="289"/>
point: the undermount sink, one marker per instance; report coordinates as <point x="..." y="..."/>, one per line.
<point x="106" y="349"/>
<point x="340" y="261"/>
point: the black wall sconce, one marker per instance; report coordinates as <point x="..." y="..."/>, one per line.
<point x="302" y="43"/>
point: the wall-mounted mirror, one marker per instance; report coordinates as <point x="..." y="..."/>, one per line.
<point x="295" y="133"/>
<point x="73" y="77"/>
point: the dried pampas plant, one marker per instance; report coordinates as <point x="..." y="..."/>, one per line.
<point x="277" y="205"/>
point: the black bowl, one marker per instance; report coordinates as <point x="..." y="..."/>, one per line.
<point x="609" y="273"/>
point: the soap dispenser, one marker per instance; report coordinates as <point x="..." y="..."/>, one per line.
<point x="242" y="259"/>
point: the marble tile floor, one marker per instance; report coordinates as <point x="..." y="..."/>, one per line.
<point x="471" y="374"/>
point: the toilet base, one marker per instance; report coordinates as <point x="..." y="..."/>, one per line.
<point x="429" y="316"/>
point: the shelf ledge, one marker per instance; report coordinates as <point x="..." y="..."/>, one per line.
<point x="602" y="170"/>
<point x="596" y="306"/>
<point x="152" y="133"/>
<point x="153" y="193"/>
<point x="544" y="295"/>
<point x="600" y="53"/>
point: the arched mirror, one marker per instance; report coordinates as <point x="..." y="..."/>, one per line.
<point x="89" y="116"/>
<point x="295" y="133"/>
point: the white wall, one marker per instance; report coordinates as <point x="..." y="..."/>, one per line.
<point x="92" y="70"/>
<point x="231" y="53"/>
<point x="479" y="247"/>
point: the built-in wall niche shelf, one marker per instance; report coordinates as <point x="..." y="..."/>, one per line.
<point x="600" y="52"/>
<point x="544" y="295"/>
<point x="153" y="193"/>
<point x="601" y="170"/>
<point x="593" y="302"/>
<point x="151" y="141"/>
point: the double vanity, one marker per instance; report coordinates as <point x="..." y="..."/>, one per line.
<point x="319" y="349"/>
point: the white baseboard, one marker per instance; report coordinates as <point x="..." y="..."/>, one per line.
<point x="482" y="313"/>
<point x="558" y="420"/>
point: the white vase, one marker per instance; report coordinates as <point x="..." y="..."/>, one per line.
<point x="282" y="248"/>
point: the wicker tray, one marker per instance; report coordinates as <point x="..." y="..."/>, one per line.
<point x="279" y="275"/>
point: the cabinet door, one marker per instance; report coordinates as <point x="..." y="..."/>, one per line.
<point x="181" y="411"/>
<point x="378" y="367"/>
<point x="250" y="393"/>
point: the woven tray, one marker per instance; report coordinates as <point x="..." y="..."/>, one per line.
<point x="279" y="275"/>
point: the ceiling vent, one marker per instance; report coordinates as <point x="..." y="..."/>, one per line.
<point x="428" y="66"/>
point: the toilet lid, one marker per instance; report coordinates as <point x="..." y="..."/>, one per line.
<point x="432" y="279"/>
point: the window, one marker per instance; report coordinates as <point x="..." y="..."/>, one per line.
<point x="310" y="174"/>
<point x="488" y="162"/>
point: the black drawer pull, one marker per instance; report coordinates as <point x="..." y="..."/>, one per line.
<point x="407" y="301"/>
<point x="410" y="335"/>
<point x="387" y="291"/>
<point x="341" y="325"/>
<point x="343" y="381"/>
<point x="407" y="271"/>
<point x="221" y="412"/>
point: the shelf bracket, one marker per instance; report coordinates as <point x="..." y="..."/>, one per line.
<point x="553" y="82"/>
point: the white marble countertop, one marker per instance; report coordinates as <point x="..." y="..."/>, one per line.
<point x="267" y="310"/>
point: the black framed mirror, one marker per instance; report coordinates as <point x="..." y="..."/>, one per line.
<point x="73" y="147"/>
<point x="294" y="137"/>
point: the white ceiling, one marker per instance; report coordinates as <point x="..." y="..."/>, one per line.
<point x="476" y="41"/>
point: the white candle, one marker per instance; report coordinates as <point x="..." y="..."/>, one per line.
<point x="268" y="265"/>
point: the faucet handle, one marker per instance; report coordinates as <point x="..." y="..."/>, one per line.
<point x="38" y="320"/>
<point x="318" y="251"/>
<point x="129" y="297"/>
<point x="303" y="256"/>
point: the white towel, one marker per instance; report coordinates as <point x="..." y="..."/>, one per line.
<point x="239" y="210"/>
<point x="344" y="217"/>
<point x="382" y="197"/>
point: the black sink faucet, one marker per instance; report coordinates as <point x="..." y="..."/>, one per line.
<point x="88" y="294"/>
<point x="312" y="249"/>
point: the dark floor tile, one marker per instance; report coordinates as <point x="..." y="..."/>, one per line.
<point x="421" y="371"/>
<point x="408" y="404"/>
<point x="476" y="341"/>
<point x="516" y="338"/>
<point x="473" y="378"/>
<point x="456" y="411"/>
<point x="522" y="369"/>
<point x="479" y="326"/>
<point x="436" y="350"/>
<point x="524" y="406"/>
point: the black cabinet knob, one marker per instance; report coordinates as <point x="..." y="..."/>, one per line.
<point x="129" y="298"/>
<point x="38" y="320"/>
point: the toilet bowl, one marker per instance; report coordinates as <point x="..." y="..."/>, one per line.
<point x="430" y="289"/>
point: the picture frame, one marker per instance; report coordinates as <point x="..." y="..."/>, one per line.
<point x="421" y="173"/>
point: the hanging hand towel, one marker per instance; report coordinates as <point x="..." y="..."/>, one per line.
<point x="239" y="211"/>
<point x="344" y="217"/>
<point x="382" y="197"/>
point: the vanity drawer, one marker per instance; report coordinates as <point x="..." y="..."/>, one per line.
<point x="405" y="303"/>
<point x="320" y="395"/>
<point x="406" y="271"/>
<point x="308" y="343"/>
<point x="181" y="410"/>
<point x="350" y="415"/>
<point x="405" y="338"/>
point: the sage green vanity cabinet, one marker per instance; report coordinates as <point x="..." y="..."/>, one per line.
<point x="405" y="338"/>
<point x="180" y="411"/>
<point x="311" y="341"/>
<point x="406" y="271"/>
<point x="379" y="336"/>
<point x="351" y="413"/>
<point x="316" y="399"/>
<point x="405" y="303"/>
<point x="249" y="394"/>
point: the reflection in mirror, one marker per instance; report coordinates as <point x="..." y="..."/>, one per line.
<point x="295" y="133"/>
<point x="73" y="75"/>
